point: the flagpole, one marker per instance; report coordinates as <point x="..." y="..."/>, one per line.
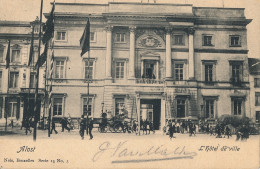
<point x="37" y="80"/>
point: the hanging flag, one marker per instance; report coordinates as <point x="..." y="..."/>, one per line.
<point x="85" y="39"/>
<point x="43" y="57"/>
<point x="49" y="27"/>
<point x="8" y="56"/>
<point x="31" y="48"/>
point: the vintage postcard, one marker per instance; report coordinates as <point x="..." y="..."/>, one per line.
<point x="129" y="84"/>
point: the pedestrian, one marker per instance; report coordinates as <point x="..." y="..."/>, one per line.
<point x="53" y="127"/>
<point x="27" y="126"/>
<point x="207" y="128"/>
<point x="87" y="124"/>
<point x="218" y="131"/>
<point x="134" y="126"/>
<point x="178" y="127"/>
<point x="145" y="126"/>
<point x="82" y="126"/>
<point x="170" y="130"/>
<point x="64" y="124"/>
<point x="227" y="132"/>
<point x="190" y="128"/>
<point x="90" y="127"/>
<point x="151" y="127"/>
<point x="194" y="129"/>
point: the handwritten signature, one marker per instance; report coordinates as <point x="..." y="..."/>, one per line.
<point x="121" y="151"/>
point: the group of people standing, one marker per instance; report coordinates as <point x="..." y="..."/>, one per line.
<point x="147" y="126"/>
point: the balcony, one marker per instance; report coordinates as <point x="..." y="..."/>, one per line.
<point x="149" y="81"/>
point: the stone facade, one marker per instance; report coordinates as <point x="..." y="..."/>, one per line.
<point x="160" y="61"/>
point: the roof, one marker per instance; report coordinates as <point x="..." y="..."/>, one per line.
<point x="254" y="65"/>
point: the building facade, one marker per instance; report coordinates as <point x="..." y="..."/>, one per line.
<point x="18" y="82"/>
<point x="162" y="61"/>
<point x="254" y="78"/>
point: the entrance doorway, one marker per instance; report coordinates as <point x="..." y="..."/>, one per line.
<point x="150" y="109"/>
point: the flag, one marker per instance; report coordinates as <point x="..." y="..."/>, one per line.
<point x="43" y="57"/>
<point x="85" y="39"/>
<point x="49" y="27"/>
<point x="31" y="48"/>
<point x="8" y="56"/>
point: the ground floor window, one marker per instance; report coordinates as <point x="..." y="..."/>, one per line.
<point x="119" y="105"/>
<point x="87" y="106"/>
<point x="209" y="109"/>
<point x="257" y="116"/>
<point x="12" y="107"/>
<point x="237" y="106"/>
<point x="57" y="106"/>
<point x="181" y="107"/>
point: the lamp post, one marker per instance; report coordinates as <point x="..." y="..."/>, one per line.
<point x="102" y="104"/>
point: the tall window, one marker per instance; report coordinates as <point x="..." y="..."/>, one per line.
<point x="237" y="104"/>
<point x="119" y="105"/>
<point x="208" y="72"/>
<point x="178" y="71"/>
<point x="234" y="40"/>
<point x="149" y="70"/>
<point x="1" y="54"/>
<point x="57" y="106"/>
<point x="60" y="69"/>
<point x="87" y="106"/>
<point x="120" y="70"/>
<point x="89" y="69"/>
<point x="120" y="37"/>
<point x="15" y="55"/>
<point x="12" y="107"/>
<point x="257" y="99"/>
<point x="1" y="74"/>
<point x="236" y="73"/>
<point x="61" y="35"/>
<point x="257" y="82"/>
<point x="92" y="37"/>
<point x="180" y="107"/>
<point x="257" y="116"/>
<point x="207" y="40"/>
<point x="32" y="80"/>
<point x="209" y="109"/>
<point x="178" y="40"/>
<point x="14" y="76"/>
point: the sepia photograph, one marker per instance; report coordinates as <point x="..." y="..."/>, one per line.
<point x="129" y="84"/>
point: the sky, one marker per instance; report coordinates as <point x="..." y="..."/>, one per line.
<point x="27" y="10"/>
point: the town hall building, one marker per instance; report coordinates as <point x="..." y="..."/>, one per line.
<point x="159" y="61"/>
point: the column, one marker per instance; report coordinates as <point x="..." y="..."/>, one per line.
<point x="191" y="53"/>
<point x="132" y="53"/>
<point x="163" y="109"/>
<point x="109" y="52"/>
<point x="168" y="61"/>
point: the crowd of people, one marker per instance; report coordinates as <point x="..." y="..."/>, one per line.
<point x="217" y="129"/>
<point x="220" y="130"/>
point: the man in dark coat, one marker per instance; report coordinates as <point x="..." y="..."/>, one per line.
<point x="64" y="124"/>
<point x="170" y="130"/>
<point x="90" y="127"/>
<point x="82" y="126"/>
<point x="53" y="127"/>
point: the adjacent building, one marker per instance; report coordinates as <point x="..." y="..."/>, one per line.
<point x="18" y="82"/>
<point x="161" y="61"/>
<point x="254" y="78"/>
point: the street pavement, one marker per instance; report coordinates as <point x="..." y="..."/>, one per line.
<point x="127" y="150"/>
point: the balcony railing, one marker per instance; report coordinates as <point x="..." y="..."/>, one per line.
<point x="148" y="81"/>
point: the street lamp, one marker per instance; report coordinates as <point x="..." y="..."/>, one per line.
<point x="102" y="104"/>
